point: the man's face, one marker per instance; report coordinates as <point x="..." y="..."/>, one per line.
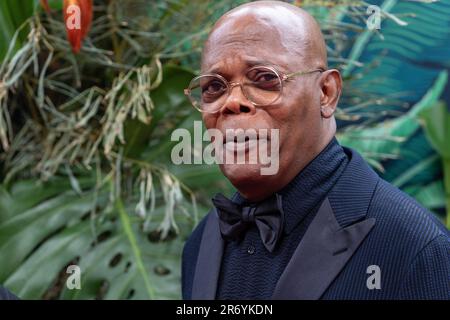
<point x="235" y="46"/>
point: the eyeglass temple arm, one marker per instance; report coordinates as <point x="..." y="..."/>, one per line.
<point x="300" y="73"/>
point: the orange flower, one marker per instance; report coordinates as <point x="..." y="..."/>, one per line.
<point x="78" y="18"/>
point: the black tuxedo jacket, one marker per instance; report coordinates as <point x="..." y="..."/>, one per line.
<point x="379" y="226"/>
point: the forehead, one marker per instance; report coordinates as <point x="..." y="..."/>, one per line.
<point x="244" y="42"/>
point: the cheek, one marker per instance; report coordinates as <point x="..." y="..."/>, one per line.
<point x="304" y="103"/>
<point x="210" y="120"/>
<point x="298" y="117"/>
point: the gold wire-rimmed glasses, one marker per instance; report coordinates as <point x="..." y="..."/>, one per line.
<point x="261" y="85"/>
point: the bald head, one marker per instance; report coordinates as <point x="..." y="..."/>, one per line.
<point x="281" y="27"/>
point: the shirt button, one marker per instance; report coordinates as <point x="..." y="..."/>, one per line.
<point x="251" y="249"/>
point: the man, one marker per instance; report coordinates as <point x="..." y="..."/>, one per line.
<point x="325" y="226"/>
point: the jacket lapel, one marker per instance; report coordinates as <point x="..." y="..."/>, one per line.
<point x="320" y="256"/>
<point x="209" y="260"/>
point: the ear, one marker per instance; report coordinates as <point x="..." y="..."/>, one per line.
<point x="331" y="87"/>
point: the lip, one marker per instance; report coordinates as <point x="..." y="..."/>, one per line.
<point x="244" y="146"/>
<point x="247" y="138"/>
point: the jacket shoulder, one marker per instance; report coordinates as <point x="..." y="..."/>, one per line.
<point x="407" y="243"/>
<point x="402" y="217"/>
<point x="428" y="274"/>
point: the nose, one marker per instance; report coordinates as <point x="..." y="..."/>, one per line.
<point x="237" y="102"/>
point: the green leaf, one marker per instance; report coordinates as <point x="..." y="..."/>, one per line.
<point x="117" y="259"/>
<point x="431" y="196"/>
<point x="385" y="139"/>
<point x="21" y="233"/>
<point x="437" y="127"/>
<point x="12" y="14"/>
<point x="410" y="173"/>
<point x="436" y="122"/>
<point x="40" y="271"/>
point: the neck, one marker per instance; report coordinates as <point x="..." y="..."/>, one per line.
<point x="255" y="191"/>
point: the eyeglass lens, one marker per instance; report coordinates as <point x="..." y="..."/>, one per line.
<point x="261" y="86"/>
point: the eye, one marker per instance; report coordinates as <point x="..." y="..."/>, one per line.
<point x="265" y="77"/>
<point x="213" y="87"/>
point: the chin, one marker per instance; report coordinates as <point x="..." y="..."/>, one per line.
<point x="245" y="176"/>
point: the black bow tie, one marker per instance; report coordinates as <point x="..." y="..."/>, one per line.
<point x="235" y="219"/>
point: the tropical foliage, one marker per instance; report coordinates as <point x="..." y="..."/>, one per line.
<point x="85" y="161"/>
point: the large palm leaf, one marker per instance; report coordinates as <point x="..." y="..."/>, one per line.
<point x="408" y="56"/>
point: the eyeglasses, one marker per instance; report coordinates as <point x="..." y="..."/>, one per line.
<point x="261" y="85"/>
